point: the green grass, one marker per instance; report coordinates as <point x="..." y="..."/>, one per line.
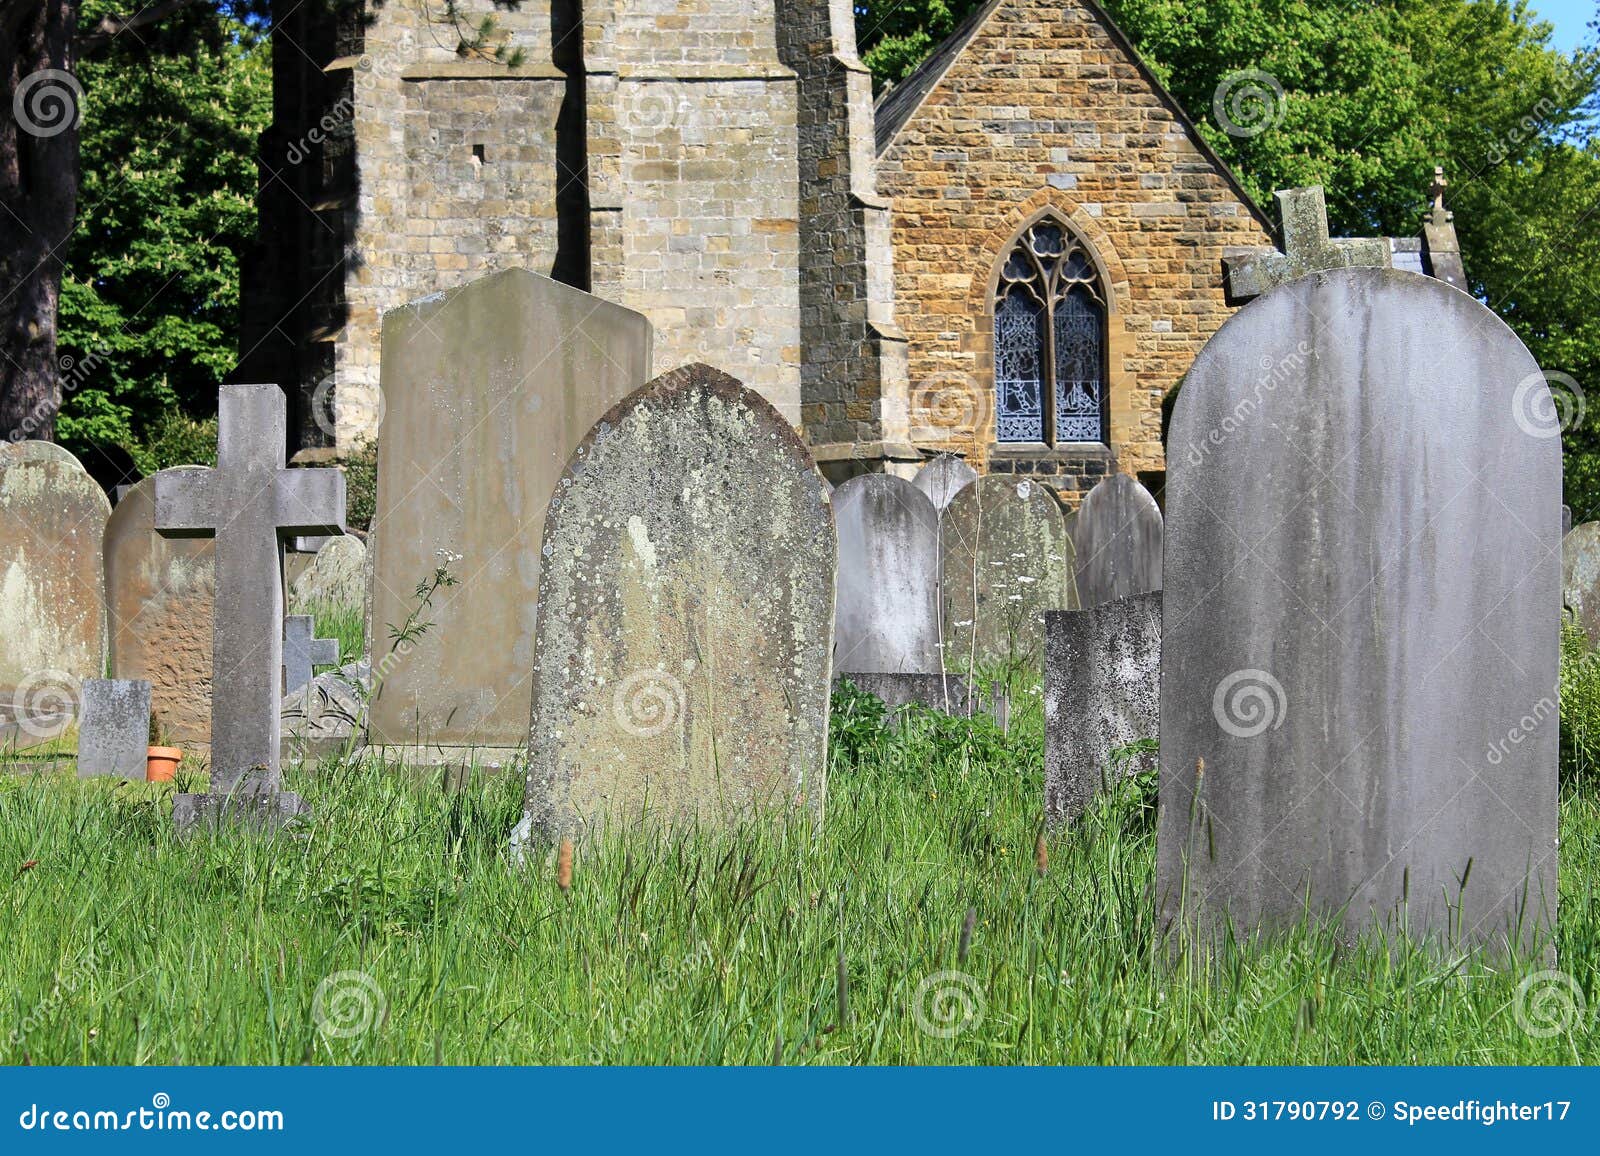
<point x="122" y="945"/>
<point x="346" y="623"/>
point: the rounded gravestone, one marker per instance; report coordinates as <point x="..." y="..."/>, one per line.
<point x="336" y="578"/>
<point x="52" y="593"/>
<point x="1117" y="537"/>
<point x="943" y="478"/>
<point x="685" y="627"/>
<point x="1580" y="578"/>
<point x="1359" y="584"/>
<point x="161" y="592"/>
<point x="887" y="619"/>
<point x="1006" y="559"/>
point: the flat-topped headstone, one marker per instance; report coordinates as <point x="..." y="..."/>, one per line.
<point x="487" y="389"/>
<point x="1102" y="693"/>
<point x="52" y="592"/>
<point x="1007" y="558"/>
<point x="1307" y="248"/>
<point x="887" y="618"/>
<point x="1580" y="578"/>
<point x="1358" y="623"/>
<point x="161" y="594"/>
<point x="943" y="478"/>
<point x="303" y="652"/>
<point x="249" y="503"/>
<point x="1117" y="538"/>
<point x="113" y="728"/>
<point x="335" y="578"/>
<point x="685" y="633"/>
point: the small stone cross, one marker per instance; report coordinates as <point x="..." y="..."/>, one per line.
<point x="249" y="503"/>
<point x="302" y="652"/>
<point x="1306" y="244"/>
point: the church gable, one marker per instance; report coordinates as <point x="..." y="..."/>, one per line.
<point x="1039" y="113"/>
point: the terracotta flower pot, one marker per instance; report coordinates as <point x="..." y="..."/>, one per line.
<point x="161" y="763"/>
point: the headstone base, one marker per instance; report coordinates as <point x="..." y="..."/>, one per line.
<point x="265" y="810"/>
<point x="941" y="692"/>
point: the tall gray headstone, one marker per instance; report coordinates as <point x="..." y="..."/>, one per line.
<point x="1580" y="578"/>
<point x="303" y="651"/>
<point x="943" y="478"/>
<point x="887" y="619"/>
<point x="1006" y="558"/>
<point x="487" y="390"/>
<point x="1117" y="540"/>
<point x="113" y="728"/>
<point x="1358" y="630"/>
<point x="249" y="503"/>
<point x="686" y="617"/>
<point x="1102" y="693"/>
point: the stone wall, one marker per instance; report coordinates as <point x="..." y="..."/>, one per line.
<point x="1046" y="110"/>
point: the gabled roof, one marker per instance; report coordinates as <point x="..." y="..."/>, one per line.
<point x="896" y="107"/>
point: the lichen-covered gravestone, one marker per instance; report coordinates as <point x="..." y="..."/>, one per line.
<point x="1006" y="559"/>
<point x="1580" y="578"/>
<point x="686" y="616"/>
<point x="888" y="606"/>
<point x="1117" y="538"/>
<point x="334" y="579"/>
<point x="161" y="593"/>
<point x="943" y="478"/>
<point x="52" y="593"/>
<point x="113" y="728"/>
<point x="487" y="390"/>
<point x="1102" y="693"/>
<point x="1358" y="622"/>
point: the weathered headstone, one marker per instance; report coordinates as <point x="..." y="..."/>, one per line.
<point x="1307" y="248"/>
<point x="52" y="593"/>
<point x="1102" y="693"/>
<point x="1566" y="520"/>
<point x="1117" y="538"/>
<point x="488" y="389"/>
<point x="943" y="478"/>
<point x="161" y="594"/>
<point x="335" y="578"/>
<point x="1358" y="650"/>
<point x="887" y="620"/>
<point x="1006" y="559"/>
<point x="686" y="616"/>
<point x="249" y="503"/>
<point x="303" y="651"/>
<point x="1580" y="578"/>
<point x="946" y="693"/>
<point x="113" y="728"/>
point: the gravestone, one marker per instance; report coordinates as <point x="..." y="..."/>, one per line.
<point x="487" y="389"/>
<point x="1580" y="578"/>
<point x="113" y="728"/>
<point x="1358" y="647"/>
<point x="1566" y="520"/>
<point x="1006" y="559"/>
<point x="686" y="617"/>
<point x="1307" y="248"/>
<point x="303" y="652"/>
<point x="1117" y="538"/>
<point x="249" y="503"/>
<point x="161" y="594"/>
<point x="887" y="618"/>
<point x="334" y="579"/>
<point x="946" y="693"/>
<point x="943" y="478"/>
<point x="1102" y="692"/>
<point x="52" y="592"/>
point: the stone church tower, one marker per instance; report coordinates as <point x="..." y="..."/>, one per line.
<point x="710" y="163"/>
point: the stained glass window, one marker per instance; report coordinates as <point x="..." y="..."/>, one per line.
<point x="1049" y="341"/>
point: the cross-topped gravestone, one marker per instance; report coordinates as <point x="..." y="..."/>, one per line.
<point x="302" y="651"/>
<point x="1307" y="248"/>
<point x="249" y="503"/>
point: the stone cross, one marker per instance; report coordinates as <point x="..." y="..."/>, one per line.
<point x="1438" y="213"/>
<point x="302" y="651"/>
<point x="249" y="503"/>
<point x="1307" y="248"/>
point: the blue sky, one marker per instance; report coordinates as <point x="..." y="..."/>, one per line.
<point x="1571" y="18"/>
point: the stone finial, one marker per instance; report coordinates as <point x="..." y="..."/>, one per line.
<point x="1437" y="212"/>
<point x="1307" y="248"/>
<point x="1439" y="241"/>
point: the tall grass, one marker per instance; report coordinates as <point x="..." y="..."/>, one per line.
<point x="121" y="944"/>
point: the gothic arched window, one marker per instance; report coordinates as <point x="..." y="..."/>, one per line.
<point x="1049" y="341"/>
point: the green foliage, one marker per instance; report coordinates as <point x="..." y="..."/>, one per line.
<point x="361" y="485"/>
<point x="1580" y="708"/>
<point x="178" y="440"/>
<point x="894" y="37"/>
